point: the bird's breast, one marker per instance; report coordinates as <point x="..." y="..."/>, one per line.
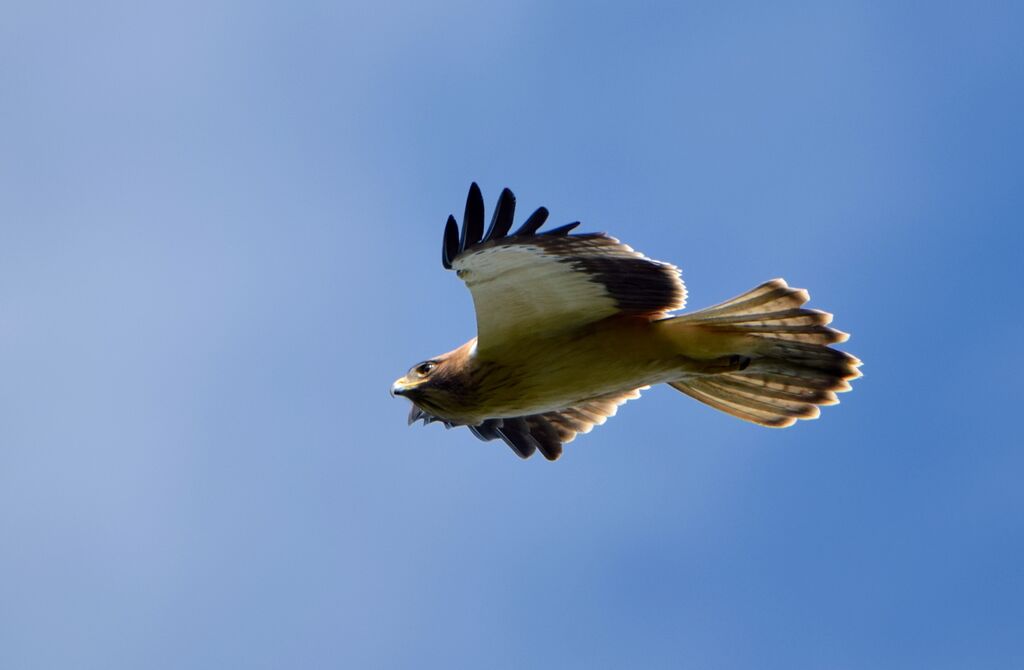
<point x="553" y="372"/>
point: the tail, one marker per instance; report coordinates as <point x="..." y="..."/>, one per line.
<point x="784" y="368"/>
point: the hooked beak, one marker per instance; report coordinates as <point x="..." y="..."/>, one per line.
<point x="398" y="388"/>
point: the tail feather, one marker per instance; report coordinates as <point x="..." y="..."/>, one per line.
<point x="768" y="297"/>
<point x="783" y="388"/>
<point x="767" y="413"/>
<point x="792" y="369"/>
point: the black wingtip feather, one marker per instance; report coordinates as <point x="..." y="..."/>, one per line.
<point x="546" y="436"/>
<point x="533" y="223"/>
<point x="457" y="241"/>
<point x="518" y="438"/>
<point x="504" y="212"/>
<point x="562" y="230"/>
<point x="488" y="430"/>
<point x="450" y="247"/>
<point x="473" y="219"/>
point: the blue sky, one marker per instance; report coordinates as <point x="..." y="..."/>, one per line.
<point x="220" y="228"/>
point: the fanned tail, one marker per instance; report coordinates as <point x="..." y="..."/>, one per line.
<point x="786" y="368"/>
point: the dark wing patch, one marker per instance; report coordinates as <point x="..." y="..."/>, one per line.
<point x="549" y="431"/>
<point x="631" y="282"/>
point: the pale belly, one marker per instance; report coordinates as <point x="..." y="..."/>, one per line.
<point x="546" y="374"/>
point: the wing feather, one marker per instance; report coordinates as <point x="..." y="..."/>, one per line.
<point x="504" y="213"/>
<point x="450" y="246"/>
<point x="550" y="431"/>
<point x="533" y="222"/>
<point x="473" y="219"/>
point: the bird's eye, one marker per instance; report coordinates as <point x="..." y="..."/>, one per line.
<point x="424" y="369"/>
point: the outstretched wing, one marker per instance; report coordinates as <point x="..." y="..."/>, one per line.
<point x="531" y="282"/>
<point x="549" y="431"/>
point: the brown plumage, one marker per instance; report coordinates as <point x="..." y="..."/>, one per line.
<point x="570" y="326"/>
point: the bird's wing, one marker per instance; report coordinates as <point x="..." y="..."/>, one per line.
<point x="547" y="432"/>
<point x="530" y="282"/>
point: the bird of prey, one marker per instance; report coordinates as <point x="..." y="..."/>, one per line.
<point x="570" y="326"/>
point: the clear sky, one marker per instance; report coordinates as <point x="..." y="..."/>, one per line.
<point x="220" y="232"/>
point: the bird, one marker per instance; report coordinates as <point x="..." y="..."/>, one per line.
<point x="572" y="325"/>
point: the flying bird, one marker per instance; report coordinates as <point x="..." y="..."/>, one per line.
<point x="570" y="326"/>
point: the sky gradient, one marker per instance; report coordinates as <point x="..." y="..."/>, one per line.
<point x="220" y="232"/>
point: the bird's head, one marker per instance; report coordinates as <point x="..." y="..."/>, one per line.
<point x="419" y="380"/>
<point x="436" y="384"/>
